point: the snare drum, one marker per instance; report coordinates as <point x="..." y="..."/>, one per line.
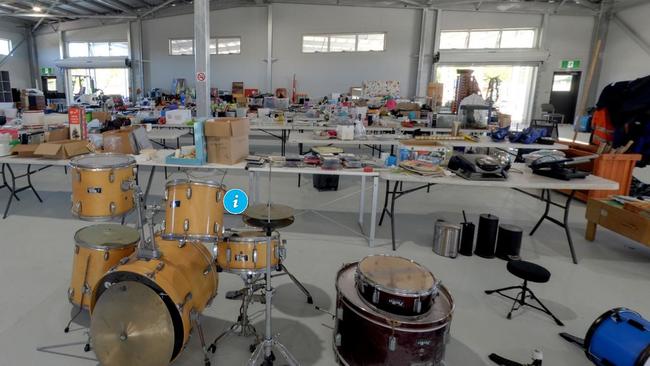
<point x="620" y="337"/>
<point x="98" y="248"/>
<point x="98" y="193"/>
<point x="194" y="210"/>
<point x="184" y="278"/>
<point x="396" y="285"/>
<point x="367" y="336"/>
<point x="245" y="252"/>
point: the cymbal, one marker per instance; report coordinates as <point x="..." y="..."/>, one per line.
<point x="131" y="325"/>
<point x="260" y="215"/>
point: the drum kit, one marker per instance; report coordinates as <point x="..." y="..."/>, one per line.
<point x="146" y="289"/>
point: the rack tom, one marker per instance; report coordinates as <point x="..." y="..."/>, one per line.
<point x="98" y="248"/>
<point x="367" y="336"/>
<point x="396" y="285"/>
<point x="100" y="186"/>
<point x="245" y="252"/>
<point x="194" y="210"/>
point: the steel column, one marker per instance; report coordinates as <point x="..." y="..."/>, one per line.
<point x="202" y="56"/>
<point x="269" y="48"/>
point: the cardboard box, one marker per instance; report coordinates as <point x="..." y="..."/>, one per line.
<point x="77" y="122"/>
<point x="617" y="219"/>
<point x="101" y="116"/>
<point x="120" y="141"/>
<point x="24" y="151"/>
<point x="227" y="140"/>
<point x="57" y="135"/>
<point x="64" y="149"/>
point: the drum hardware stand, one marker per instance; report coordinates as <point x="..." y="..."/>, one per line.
<point x="265" y="348"/>
<point x="303" y="289"/>
<point x="520" y="300"/>
<point x="195" y="318"/>
<point x="83" y="294"/>
<point x="246" y="329"/>
<point x="147" y="248"/>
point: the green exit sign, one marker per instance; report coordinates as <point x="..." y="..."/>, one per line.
<point x="47" y="71"/>
<point x="570" y="64"/>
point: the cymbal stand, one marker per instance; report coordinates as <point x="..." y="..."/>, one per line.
<point x="265" y="348"/>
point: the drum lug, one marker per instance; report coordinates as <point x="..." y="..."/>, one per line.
<point x="106" y="255"/>
<point x="228" y="255"/>
<point x="85" y="289"/>
<point x="180" y="306"/>
<point x="76" y="208"/>
<point x="375" y="296"/>
<point x="111" y="176"/>
<point x="181" y="243"/>
<point x="417" y="305"/>
<point x="186" y="224"/>
<point x="339" y="313"/>
<point x="78" y="174"/>
<point x="215" y="250"/>
<point x="70" y="293"/>
<point x="76" y="249"/>
<point x="163" y="224"/>
<point x="337" y="340"/>
<point x="188" y="193"/>
<point x="124" y="261"/>
<point x="166" y="195"/>
<point x="217" y="227"/>
<point x="255" y="255"/>
<point x="392" y="343"/>
<point x="112" y="208"/>
<point x="207" y="270"/>
<point x="218" y="195"/>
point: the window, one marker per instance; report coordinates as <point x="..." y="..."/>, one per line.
<point x="363" y="42"/>
<point x="514" y="90"/>
<point x="228" y="46"/>
<point x="110" y="81"/>
<point x="5" y="46"/>
<point x="487" y="39"/>
<point x="98" y="49"/>
<point x="221" y="46"/>
<point x="562" y="83"/>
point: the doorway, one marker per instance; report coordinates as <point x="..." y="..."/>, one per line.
<point x="564" y="93"/>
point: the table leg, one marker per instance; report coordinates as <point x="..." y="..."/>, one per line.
<point x="29" y="182"/>
<point x="146" y="192"/>
<point x="565" y="221"/>
<point x="392" y="216"/>
<point x="591" y="231"/>
<point x="545" y="215"/>
<point x="12" y="188"/>
<point x="251" y="187"/>
<point x="385" y="208"/>
<point x="362" y="201"/>
<point x="373" y="212"/>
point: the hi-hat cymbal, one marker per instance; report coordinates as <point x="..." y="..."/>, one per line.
<point x="276" y="217"/>
<point x="131" y="325"/>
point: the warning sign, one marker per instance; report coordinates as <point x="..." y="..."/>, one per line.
<point x="200" y="76"/>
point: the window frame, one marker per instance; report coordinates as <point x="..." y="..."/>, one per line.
<point x="9" y="46"/>
<point x="88" y="46"/>
<point x="329" y="42"/>
<point x="215" y="39"/>
<point x="469" y="32"/>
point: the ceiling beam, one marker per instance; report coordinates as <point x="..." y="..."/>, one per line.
<point x="47" y="11"/>
<point x="114" y="5"/>
<point x="156" y="8"/>
<point x="74" y="16"/>
<point x="632" y="33"/>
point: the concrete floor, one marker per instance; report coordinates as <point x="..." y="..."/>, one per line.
<point x="37" y="245"/>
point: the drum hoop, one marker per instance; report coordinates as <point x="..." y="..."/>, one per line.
<point x="338" y="355"/>
<point x="397" y="291"/>
<point x="100" y="218"/>
<point x="435" y="325"/>
<point x="253" y="239"/>
<point x="442" y="289"/>
<point x="74" y="163"/>
<point x="596" y="324"/>
<point x="208" y="183"/>
<point x="643" y="357"/>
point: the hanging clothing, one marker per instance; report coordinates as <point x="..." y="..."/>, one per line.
<point x="603" y="129"/>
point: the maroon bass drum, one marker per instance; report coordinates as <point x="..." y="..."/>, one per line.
<point x="367" y="336"/>
<point x="396" y="285"/>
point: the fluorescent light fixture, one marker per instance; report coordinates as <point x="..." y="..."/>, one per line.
<point x="36" y="8"/>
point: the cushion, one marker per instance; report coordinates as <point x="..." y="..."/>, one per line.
<point x="529" y="271"/>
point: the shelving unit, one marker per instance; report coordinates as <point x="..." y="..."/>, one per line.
<point x="5" y="88"/>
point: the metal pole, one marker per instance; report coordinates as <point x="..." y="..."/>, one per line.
<point x="63" y="53"/>
<point x="33" y="60"/>
<point x="269" y="48"/>
<point x="202" y="56"/>
<point x="418" y="77"/>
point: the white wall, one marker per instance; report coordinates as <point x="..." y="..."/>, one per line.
<point x="18" y="64"/>
<point x="248" y="23"/>
<point x="321" y="74"/>
<point x="623" y="58"/>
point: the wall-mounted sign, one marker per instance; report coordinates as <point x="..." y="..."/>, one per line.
<point x="47" y="71"/>
<point x="570" y="64"/>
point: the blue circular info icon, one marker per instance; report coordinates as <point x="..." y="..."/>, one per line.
<point x="235" y="201"/>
